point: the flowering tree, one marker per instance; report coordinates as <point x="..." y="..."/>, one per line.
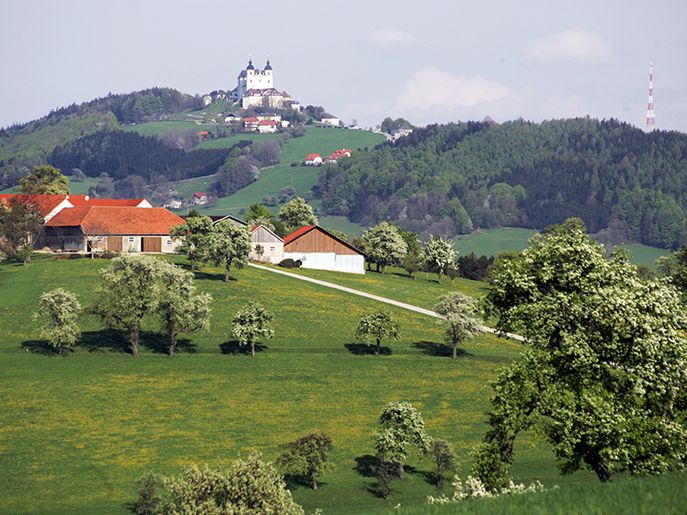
<point x="57" y="316"/>
<point x="439" y="255"/>
<point x="230" y="245"/>
<point x="385" y="245"/>
<point x="376" y="327"/>
<point x="460" y="319"/>
<point x="196" y="237"/>
<point x="297" y="213"/>
<point x="605" y="369"/>
<point x="251" y="322"/>
<point x="308" y="456"/>
<point x="400" y="426"/>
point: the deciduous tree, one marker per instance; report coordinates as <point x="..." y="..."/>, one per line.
<point x="439" y="255"/>
<point x="385" y="245"/>
<point x="230" y="245"/>
<point x="297" y="213"/>
<point x="196" y="238"/>
<point x="400" y="427"/>
<point x="460" y="318"/>
<point x="129" y="291"/>
<point x="376" y="327"/>
<point x="251" y="322"/>
<point x="181" y="309"/>
<point x="57" y="317"/>
<point x="444" y="457"/>
<point x="20" y="224"/>
<point x="308" y="456"/>
<point x="605" y="368"/>
<point x="43" y="180"/>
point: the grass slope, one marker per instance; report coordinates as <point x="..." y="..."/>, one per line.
<point x="159" y="128"/>
<point x="77" y="430"/>
<point x="316" y="140"/>
<point x="491" y="242"/>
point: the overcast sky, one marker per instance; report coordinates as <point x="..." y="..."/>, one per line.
<point x="428" y="61"/>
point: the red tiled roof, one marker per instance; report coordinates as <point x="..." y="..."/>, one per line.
<point x="298" y="233"/>
<point x="126" y="221"/>
<point x="85" y="200"/>
<point x="312" y="156"/>
<point x="267" y="122"/>
<point x="44" y="203"/>
<point x="250" y="120"/>
<point x="199" y="194"/>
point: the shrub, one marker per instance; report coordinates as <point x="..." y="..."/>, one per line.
<point x="290" y="263"/>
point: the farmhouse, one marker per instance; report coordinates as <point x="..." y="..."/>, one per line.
<point x="321" y="250"/>
<point x="119" y="229"/>
<point x="313" y="160"/>
<point x="272" y="245"/>
<point x="267" y="126"/>
<point x="49" y="205"/>
<point x="199" y="198"/>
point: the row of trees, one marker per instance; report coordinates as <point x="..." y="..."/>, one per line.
<point x="454" y="178"/>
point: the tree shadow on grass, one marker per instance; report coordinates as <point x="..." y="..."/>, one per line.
<point x="438" y="349"/>
<point x="295" y="481"/>
<point x="104" y="340"/>
<point x="158" y="343"/>
<point x="365" y="465"/>
<point x="39" y="347"/>
<point x="363" y="349"/>
<point x="234" y="347"/>
<point x="213" y="277"/>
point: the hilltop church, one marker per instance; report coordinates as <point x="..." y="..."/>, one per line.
<point x="255" y="88"/>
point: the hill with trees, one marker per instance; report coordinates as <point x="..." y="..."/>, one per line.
<point x="452" y="179"/>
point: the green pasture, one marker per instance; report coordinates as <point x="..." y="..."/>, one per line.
<point x="77" y="430"/>
<point x="341" y="223"/>
<point x="159" y="128"/>
<point x="491" y="242"/>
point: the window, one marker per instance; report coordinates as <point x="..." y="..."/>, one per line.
<point x="98" y="238"/>
<point x="131" y="239"/>
<point x="169" y="242"/>
<point x="271" y="249"/>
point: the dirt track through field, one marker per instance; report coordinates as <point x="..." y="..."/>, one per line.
<point x="360" y="293"/>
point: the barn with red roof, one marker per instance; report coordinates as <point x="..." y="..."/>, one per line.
<point x="114" y="228"/>
<point x="319" y="249"/>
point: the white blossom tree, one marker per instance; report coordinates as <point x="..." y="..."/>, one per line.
<point x="57" y="317"/>
<point x="230" y="245"/>
<point x="297" y="213"/>
<point x="384" y="245"/>
<point x="439" y="255"/>
<point x="460" y="318"/>
<point x="251" y="322"/>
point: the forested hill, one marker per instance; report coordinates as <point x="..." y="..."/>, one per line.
<point x="450" y="179"/>
<point x="26" y="145"/>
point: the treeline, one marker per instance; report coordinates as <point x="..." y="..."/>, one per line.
<point x="451" y="179"/>
<point x="139" y="106"/>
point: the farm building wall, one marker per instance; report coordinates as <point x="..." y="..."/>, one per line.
<point x="318" y="241"/>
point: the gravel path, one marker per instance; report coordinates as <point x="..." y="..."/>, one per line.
<point x="360" y="293"/>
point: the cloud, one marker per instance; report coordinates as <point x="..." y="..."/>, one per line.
<point x="433" y="95"/>
<point x="575" y="46"/>
<point x="389" y="38"/>
<point x="430" y="87"/>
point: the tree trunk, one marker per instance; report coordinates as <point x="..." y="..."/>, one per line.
<point x="133" y="340"/>
<point x="377" y="347"/>
<point x="377" y="266"/>
<point x="172" y="344"/>
<point x="401" y="472"/>
<point x="226" y="273"/>
<point x="455" y="351"/>
<point x="252" y="348"/>
<point x="193" y="265"/>
<point x="314" y="482"/>
<point x="601" y="470"/>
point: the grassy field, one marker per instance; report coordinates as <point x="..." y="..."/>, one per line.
<point x="76" y="188"/>
<point x="341" y="223"/>
<point x="491" y="242"/>
<point x="76" y="431"/>
<point x="322" y="141"/>
<point x="159" y="128"/>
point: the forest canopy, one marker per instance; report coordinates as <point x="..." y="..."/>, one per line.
<point x="452" y="179"/>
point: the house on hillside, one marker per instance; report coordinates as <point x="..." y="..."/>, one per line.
<point x="313" y="160"/>
<point x="267" y="126"/>
<point x="250" y="124"/>
<point x="319" y="249"/>
<point x="118" y="229"/>
<point x="199" y="198"/>
<point x="331" y="120"/>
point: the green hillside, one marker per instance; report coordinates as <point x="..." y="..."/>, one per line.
<point x="316" y="140"/>
<point x="159" y="128"/>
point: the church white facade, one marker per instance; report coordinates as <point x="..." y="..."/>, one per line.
<point x="255" y="88"/>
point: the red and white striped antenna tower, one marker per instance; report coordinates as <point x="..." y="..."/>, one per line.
<point x="650" y="117"/>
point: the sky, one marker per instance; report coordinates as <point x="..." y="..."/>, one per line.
<point x="428" y="61"/>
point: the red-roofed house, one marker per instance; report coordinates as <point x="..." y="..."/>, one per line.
<point x="251" y="123"/>
<point x="313" y="160"/>
<point x="199" y="198"/>
<point x="86" y="200"/>
<point x="119" y="229"/>
<point x="267" y="126"/>
<point x="321" y="250"/>
<point x="47" y="205"/>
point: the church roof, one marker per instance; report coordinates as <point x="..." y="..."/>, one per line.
<point x="250" y="65"/>
<point x="268" y="66"/>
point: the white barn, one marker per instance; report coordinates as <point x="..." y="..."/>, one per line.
<point x="321" y="250"/>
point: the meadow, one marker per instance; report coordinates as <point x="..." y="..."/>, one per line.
<point x="491" y="242"/>
<point x="76" y="431"/>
